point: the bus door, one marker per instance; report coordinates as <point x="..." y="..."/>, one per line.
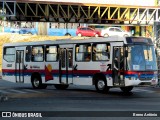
<point x="65" y="65"/>
<point x="19" y="67"/>
<point x="118" y="66"/>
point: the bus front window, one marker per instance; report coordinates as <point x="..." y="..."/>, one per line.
<point x="141" y="58"/>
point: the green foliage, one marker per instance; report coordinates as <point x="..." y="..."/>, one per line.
<point x="137" y="34"/>
<point x="1" y="17"/>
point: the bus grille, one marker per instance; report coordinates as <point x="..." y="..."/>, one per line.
<point x="145" y="79"/>
<point x="145" y="83"/>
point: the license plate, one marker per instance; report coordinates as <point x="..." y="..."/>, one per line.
<point x="153" y="82"/>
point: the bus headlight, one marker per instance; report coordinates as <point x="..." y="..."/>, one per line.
<point x="153" y="82"/>
<point x="155" y="78"/>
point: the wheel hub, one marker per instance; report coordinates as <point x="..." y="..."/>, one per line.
<point x="36" y="82"/>
<point x="101" y="84"/>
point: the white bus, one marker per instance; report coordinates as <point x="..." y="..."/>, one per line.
<point x="115" y="61"/>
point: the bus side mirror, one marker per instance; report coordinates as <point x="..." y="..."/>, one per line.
<point x="126" y="53"/>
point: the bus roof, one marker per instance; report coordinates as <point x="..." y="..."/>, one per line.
<point x="68" y="41"/>
<point x="74" y="41"/>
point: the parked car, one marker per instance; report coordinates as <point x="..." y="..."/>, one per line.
<point x="87" y="31"/>
<point x="30" y="31"/>
<point x="111" y="31"/>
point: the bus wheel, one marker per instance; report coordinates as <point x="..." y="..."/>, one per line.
<point x="101" y="86"/>
<point x="37" y="83"/>
<point x="29" y="33"/>
<point x="61" y="87"/>
<point x="126" y="89"/>
<point x="67" y="34"/>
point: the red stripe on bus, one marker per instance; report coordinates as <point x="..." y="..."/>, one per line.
<point x="138" y="72"/>
<point x="63" y="71"/>
<point x="79" y="71"/>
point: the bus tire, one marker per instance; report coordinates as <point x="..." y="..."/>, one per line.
<point x="61" y="86"/>
<point x="67" y="34"/>
<point x="37" y="82"/>
<point x="101" y="85"/>
<point x="29" y="33"/>
<point x="126" y="89"/>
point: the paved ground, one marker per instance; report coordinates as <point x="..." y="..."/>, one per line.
<point x="21" y="97"/>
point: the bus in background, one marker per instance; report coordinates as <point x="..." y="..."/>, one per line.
<point x="53" y="29"/>
<point x="21" y="27"/>
<point x="122" y="62"/>
<point x="62" y="29"/>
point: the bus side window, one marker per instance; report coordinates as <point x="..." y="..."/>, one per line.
<point x="101" y="52"/>
<point x="9" y="54"/>
<point x="37" y="53"/>
<point x="28" y="53"/>
<point x="83" y="52"/>
<point x="51" y="53"/>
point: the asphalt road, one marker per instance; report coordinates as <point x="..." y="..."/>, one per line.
<point x="64" y="103"/>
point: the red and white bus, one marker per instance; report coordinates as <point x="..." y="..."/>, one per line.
<point x="115" y="61"/>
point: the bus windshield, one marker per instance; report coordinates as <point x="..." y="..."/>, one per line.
<point x="141" y="58"/>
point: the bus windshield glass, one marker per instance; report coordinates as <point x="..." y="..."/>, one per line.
<point x="141" y="58"/>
